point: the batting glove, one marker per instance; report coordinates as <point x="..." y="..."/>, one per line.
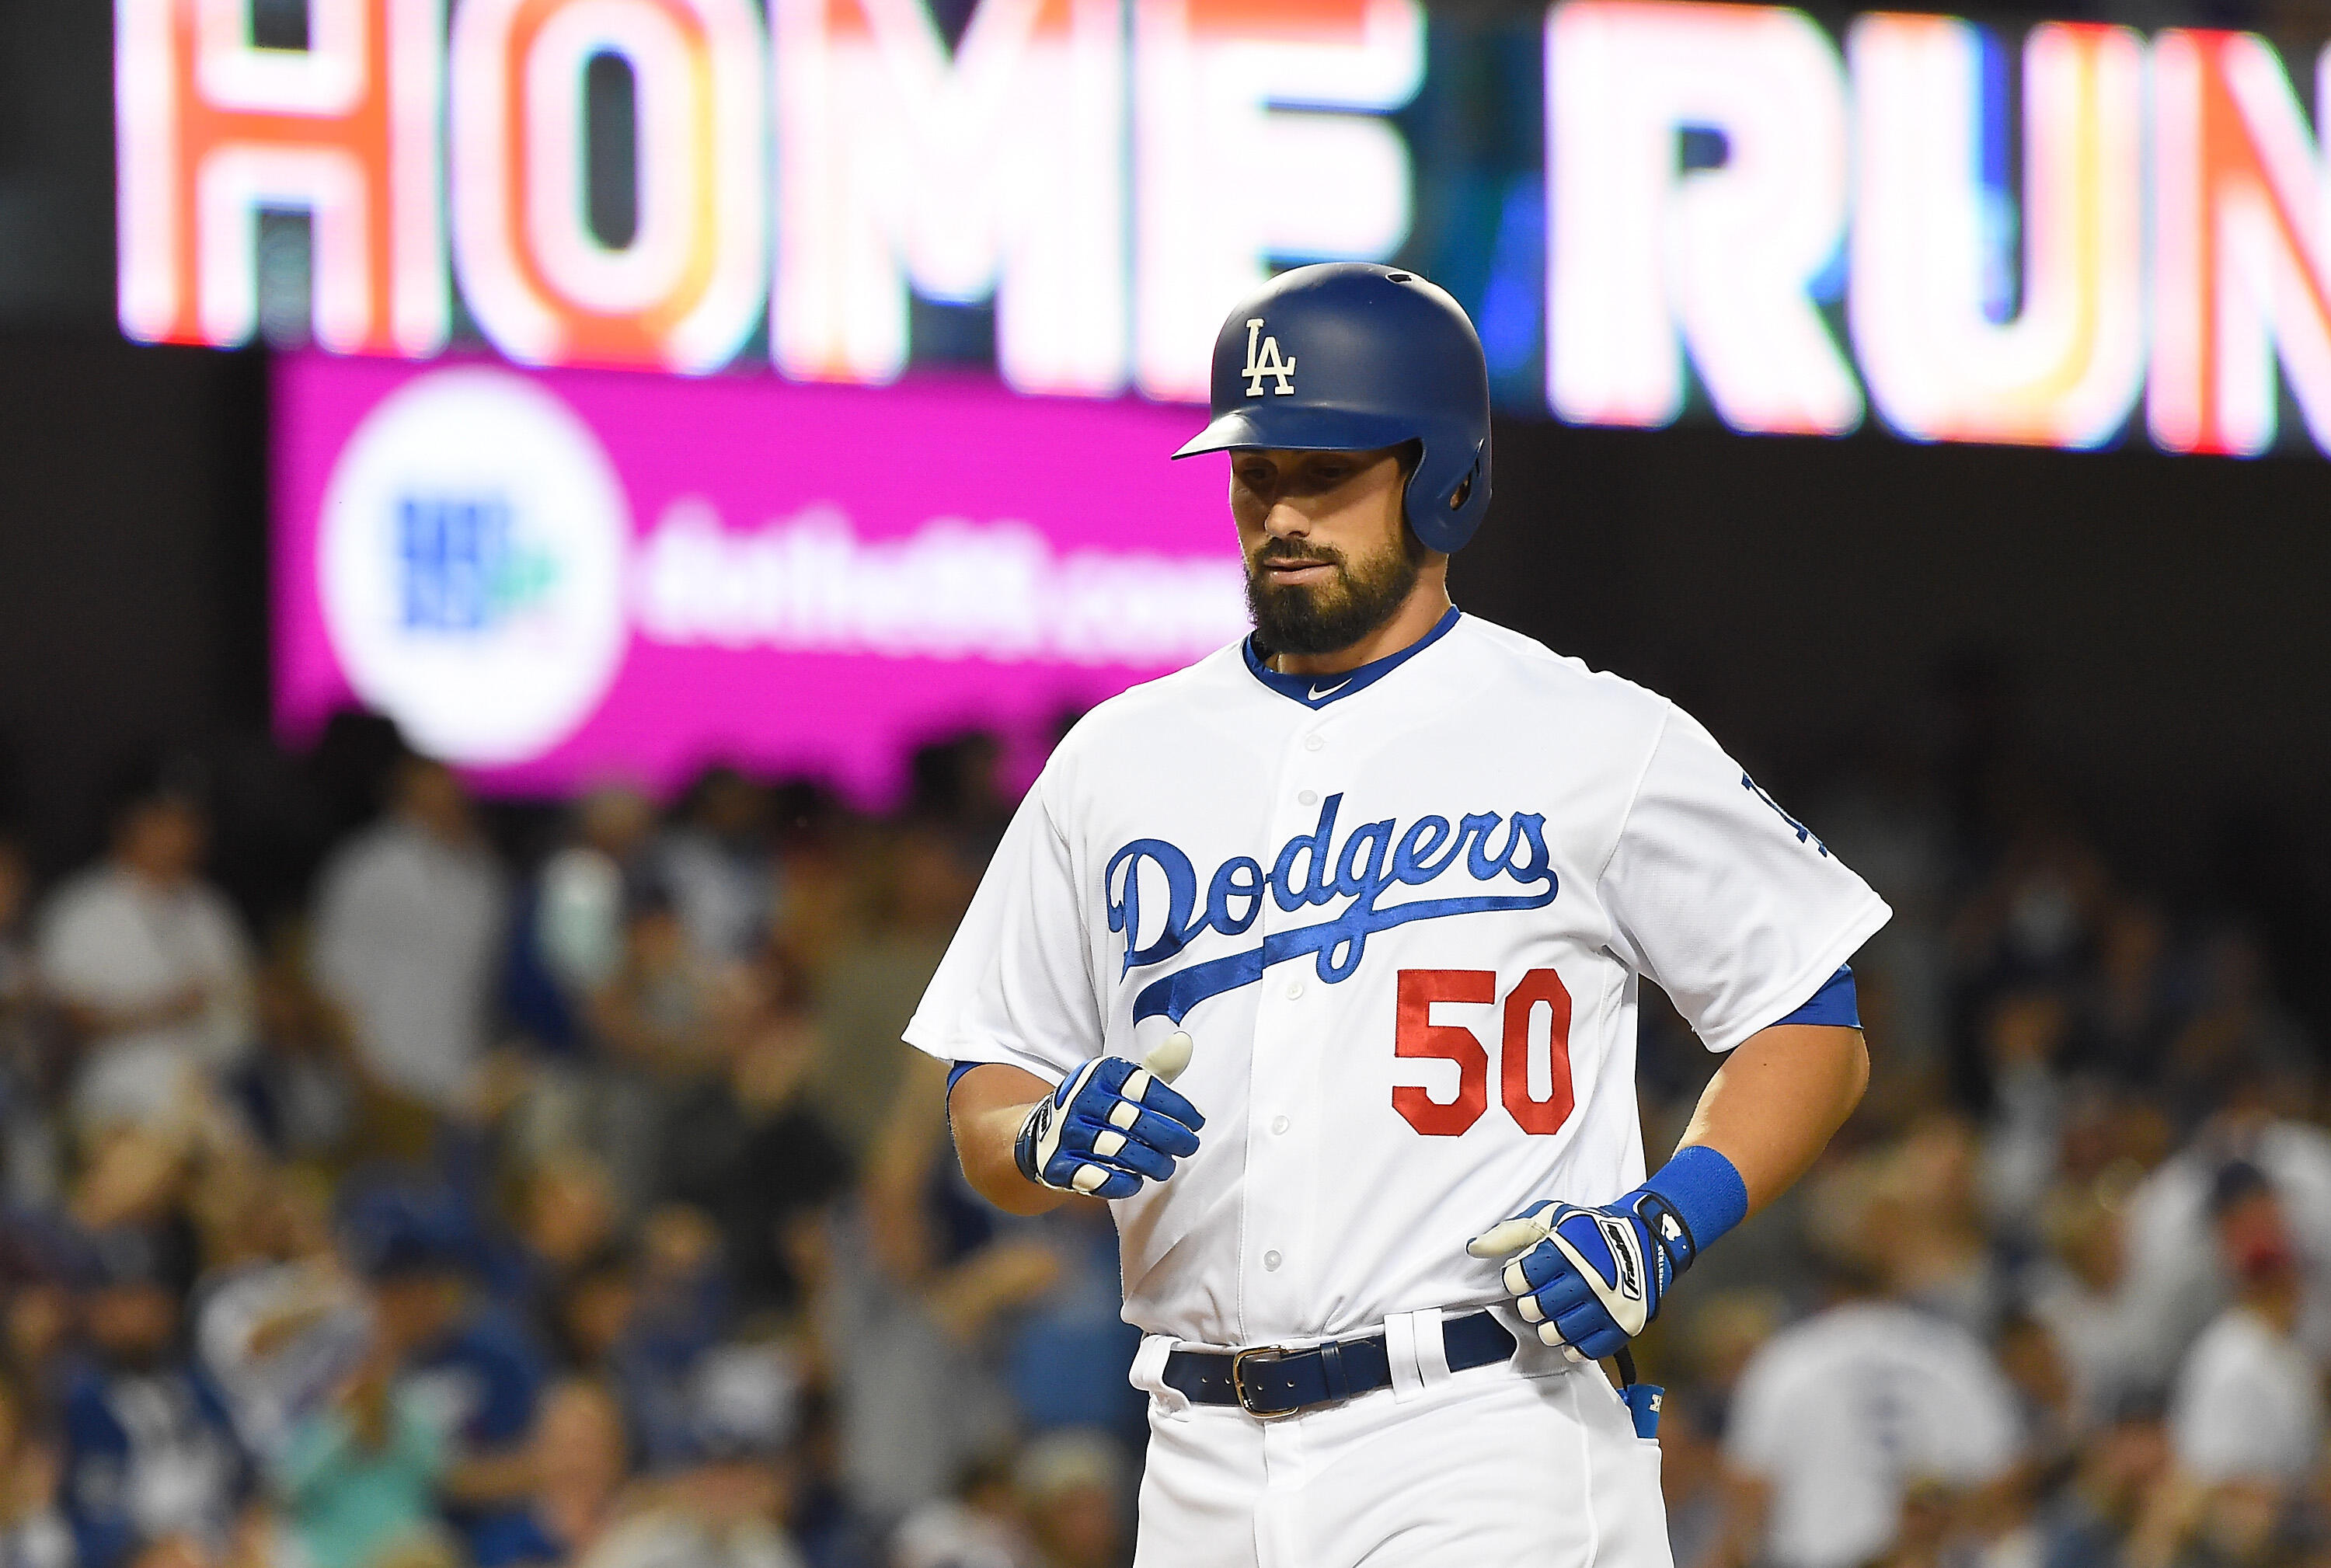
<point x="1591" y="1278"/>
<point x="1111" y="1125"/>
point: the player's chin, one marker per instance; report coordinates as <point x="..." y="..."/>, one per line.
<point x="1311" y="601"/>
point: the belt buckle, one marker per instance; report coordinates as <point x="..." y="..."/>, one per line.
<point x="1238" y="1380"/>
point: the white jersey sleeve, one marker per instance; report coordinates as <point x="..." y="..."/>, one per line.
<point x="1015" y="987"/>
<point x="1730" y="905"/>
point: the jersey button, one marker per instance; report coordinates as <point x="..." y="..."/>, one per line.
<point x="1271" y="1261"/>
<point x="1314" y="742"/>
<point x="1278" y="1124"/>
<point x="1308" y="798"/>
<point x="1294" y="989"/>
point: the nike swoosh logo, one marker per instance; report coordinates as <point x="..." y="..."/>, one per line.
<point x="1318" y="692"/>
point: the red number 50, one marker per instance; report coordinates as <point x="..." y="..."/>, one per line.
<point x="1417" y="1035"/>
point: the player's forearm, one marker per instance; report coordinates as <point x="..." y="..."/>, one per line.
<point x="987" y="1110"/>
<point x="1591" y="1279"/>
<point x="1774" y="1105"/>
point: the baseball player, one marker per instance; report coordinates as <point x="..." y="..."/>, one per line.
<point x="1320" y="961"/>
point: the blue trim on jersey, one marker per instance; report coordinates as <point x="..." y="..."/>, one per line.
<point x="1308" y="690"/>
<point x="1175" y="995"/>
<point x="1363" y="866"/>
<point x="954" y="1074"/>
<point x="1835" y="1003"/>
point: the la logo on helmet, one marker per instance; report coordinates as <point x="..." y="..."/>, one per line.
<point x="1265" y="360"/>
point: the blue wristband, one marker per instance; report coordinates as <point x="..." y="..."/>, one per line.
<point x="1707" y="1194"/>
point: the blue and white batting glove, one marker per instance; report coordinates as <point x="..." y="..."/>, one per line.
<point x="1112" y="1125"/>
<point x="1591" y="1278"/>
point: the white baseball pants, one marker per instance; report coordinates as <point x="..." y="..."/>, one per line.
<point x="1522" y="1465"/>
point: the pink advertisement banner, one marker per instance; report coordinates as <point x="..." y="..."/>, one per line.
<point x="553" y="579"/>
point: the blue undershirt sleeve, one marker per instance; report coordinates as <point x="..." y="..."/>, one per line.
<point x="1834" y="1004"/>
<point x="1702" y="1185"/>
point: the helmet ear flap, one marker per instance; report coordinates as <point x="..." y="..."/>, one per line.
<point x="1443" y="515"/>
<point x="1464" y="490"/>
<point x="1472" y="498"/>
<point x="1417" y="497"/>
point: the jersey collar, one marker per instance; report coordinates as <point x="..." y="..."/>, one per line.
<point x="1316" y="691"/>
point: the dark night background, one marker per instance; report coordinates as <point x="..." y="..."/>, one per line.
<point x="2147" y="632"/>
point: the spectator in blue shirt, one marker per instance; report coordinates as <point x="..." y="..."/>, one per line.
<point x="472" y="1362"/>
<point x="149" y="1455"/>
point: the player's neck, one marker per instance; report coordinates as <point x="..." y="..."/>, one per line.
<point x="1417" y="614"/>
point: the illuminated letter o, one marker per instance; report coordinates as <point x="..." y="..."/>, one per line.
<point x="685" y="292"/>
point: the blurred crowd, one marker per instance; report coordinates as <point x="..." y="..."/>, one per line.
<point x="429" y="1183"/>
<point x="525" y="1187"/>
<point x="2059" y="1295"/>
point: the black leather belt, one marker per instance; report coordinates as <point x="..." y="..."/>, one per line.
<point x="1267" y="1381"/>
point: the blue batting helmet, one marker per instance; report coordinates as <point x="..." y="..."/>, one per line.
<point x="1348" y="357"/>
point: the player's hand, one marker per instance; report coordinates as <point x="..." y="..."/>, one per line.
<point x="1112" y="1125"/>
<point x="1590" y="1278"/>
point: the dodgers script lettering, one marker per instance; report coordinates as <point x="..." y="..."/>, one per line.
<point x="1315" y="868"/>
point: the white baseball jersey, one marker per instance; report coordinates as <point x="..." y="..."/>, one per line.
<point x="2248" y="1405"/>
<point x="1838" y="1414"/>
<point x="1402" y="913"/>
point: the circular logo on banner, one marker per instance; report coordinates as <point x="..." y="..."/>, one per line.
<point x="470" y="565"/>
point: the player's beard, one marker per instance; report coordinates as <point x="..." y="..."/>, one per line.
<point x="1301" y="618"/>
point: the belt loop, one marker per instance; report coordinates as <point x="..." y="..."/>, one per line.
<point x="1148" y="1373"/>
<point x="1400" y="1352"/>
<point x="1331" y="1371"/>
<point x="1431" y="1347"/>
